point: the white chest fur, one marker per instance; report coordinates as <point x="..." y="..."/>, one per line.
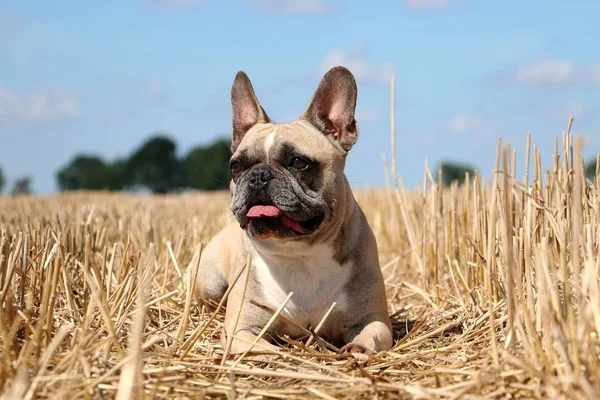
<point x="314" y="276"/>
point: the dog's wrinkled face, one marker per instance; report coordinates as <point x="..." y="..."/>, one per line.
<point x="280" y="182"/>
<point x="286" y="178"/>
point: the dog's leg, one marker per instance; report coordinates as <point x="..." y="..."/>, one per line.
<point x="210" y="283"/>
<point x="243" y="321"/>
<point x="243" y="340"/>
<point x="372" y="334"/>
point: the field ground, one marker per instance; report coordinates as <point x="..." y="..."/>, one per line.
<point x="494" y="289"/>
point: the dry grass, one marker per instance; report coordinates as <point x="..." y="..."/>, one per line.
<point x="494" y="289"/>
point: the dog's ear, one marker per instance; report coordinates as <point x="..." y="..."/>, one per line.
<point x="332" y="107"/>
<point x="247" y="111"/>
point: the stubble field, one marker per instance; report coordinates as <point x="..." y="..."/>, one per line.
<point x="493" y="287"/>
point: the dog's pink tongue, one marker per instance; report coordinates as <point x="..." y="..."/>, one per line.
<point x="274" y="212"/>
<point x="290" y="223"/>
<point x="263" y="212"/>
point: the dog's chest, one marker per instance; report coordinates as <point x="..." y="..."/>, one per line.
<point x="315" y="278"/>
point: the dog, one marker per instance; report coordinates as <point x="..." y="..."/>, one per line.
<point x="296" y="219"/>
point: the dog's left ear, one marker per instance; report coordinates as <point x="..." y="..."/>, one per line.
<point x="332" y="107"/>
<point x="247" y="110"/>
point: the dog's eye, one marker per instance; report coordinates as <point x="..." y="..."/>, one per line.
<point x="235" y="167"/>
<point x="299" y="163"/>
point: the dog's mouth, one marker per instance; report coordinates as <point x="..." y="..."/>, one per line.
<point x="266" y="221"/>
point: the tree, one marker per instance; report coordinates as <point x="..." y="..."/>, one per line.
<point x="207" y="168"/>
<point x="155" y="165"/>
<point x="590" y="170"/>
<point x="2" y="180"/>
<point x="455" y="171"/>
<point x="89" y="172"/>
<point x="22" y="186"/>
<point x="117" y="175"/>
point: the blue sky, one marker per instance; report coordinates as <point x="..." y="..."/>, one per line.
<point x="99" y="77"/>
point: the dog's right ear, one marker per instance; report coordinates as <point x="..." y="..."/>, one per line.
<point x="247" y="110"/>
<point x="332" y="107"/>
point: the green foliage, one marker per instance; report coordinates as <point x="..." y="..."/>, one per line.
<point x="154" y="166"/>
<point x="22" y="186"/>
<point x="590" y="170"/>
<point x="2" y="180"/>
<point x="207" y="168"/>
<point x="89" y="172"/>
<point x="455" y="171"/>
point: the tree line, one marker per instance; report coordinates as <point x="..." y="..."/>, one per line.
<point x="155" y="166"/>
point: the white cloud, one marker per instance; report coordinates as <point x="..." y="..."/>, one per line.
<point x="172" y="3"/>
<point x="546" y="71"/>
<point x="315" y="7"/>
<point x="357" y="62"/>
<point x="431" y="4"/>
<point x="555" y="72"/>
<point x="464" y="124"/>
<point x="37" y="107"/>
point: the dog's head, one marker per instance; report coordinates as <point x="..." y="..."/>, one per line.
<point x="288" y="180"/>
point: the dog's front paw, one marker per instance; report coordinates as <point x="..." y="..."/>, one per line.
<point x="355" y="348"/>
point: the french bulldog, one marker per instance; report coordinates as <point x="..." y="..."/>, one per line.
<point x="297" y="219"/>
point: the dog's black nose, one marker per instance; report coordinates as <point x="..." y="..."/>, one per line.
<point x="260" y="175"/>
